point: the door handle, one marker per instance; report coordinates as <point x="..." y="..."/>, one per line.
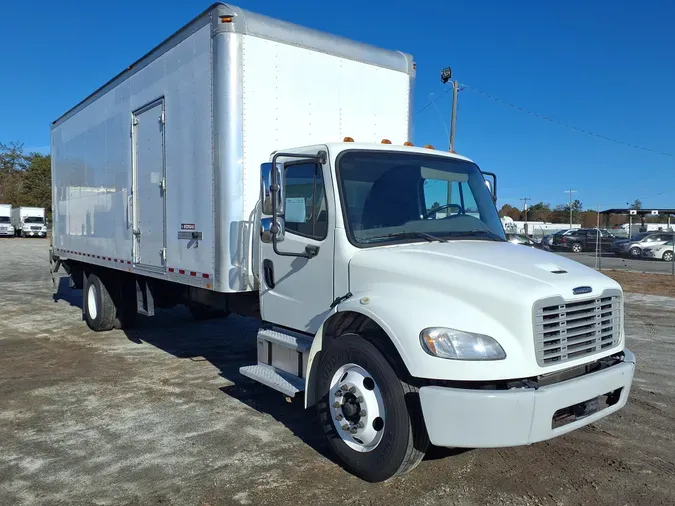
<point x="268" y="271"/>
<point x="129" y="211"/>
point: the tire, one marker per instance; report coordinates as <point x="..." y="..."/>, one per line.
<point x="577" y="248"/>
<point x="125" y="304"/>
<point x="390" y="403"/>
<point x="635" y="252"/>
<point x="668" y="256"/>
<point x="99" y="308"/>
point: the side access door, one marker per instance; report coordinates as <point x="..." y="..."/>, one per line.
<point x="149" y="187"/>
<point x="297" y="292"/>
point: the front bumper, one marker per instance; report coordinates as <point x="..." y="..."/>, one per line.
<point x="6" y="232"/>
<point x="464" y="418"/>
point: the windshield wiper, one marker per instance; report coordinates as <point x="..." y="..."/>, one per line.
<point x="404" y="235"/>
<point x="476" y="233"/>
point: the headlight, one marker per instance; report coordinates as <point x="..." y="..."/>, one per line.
<point x="458" y="345"/>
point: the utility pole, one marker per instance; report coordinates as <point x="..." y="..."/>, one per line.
<point x="525" y="199"/>
<point x="570" y="191"/>
<point x="446" y="75"/>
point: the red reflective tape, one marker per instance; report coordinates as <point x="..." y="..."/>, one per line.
<point x="129" y="262"/>
<point x="109" y="259"/>
<point x="181" y="271"/>
<point x="115" y="260"/>
<point x="192" y="273"/>
<point x="98" y="256"/>
<point x="205" y="276"/>
<point x="171" y="269"/>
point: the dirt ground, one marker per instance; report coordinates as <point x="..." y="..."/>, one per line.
<point x="160" y="415"/>
<point x="637" y="282"/>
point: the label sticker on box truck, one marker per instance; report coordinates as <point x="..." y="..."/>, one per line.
<point x="187" y="226"/>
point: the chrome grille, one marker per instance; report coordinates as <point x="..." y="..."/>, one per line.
<point x="36" y="228"/>
<point x="568" y="330"/>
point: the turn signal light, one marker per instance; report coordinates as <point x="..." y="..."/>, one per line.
<point x="347" y="139"/>
<point x="226" y="19"/>
<point x="386" y="141"/>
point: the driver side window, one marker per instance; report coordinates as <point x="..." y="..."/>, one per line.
<point x="449" y="197"/>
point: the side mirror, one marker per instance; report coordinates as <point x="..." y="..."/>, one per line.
<point x="491" y="186"/>
<point x="266" y="233"/>
<point x="266" y="190"/>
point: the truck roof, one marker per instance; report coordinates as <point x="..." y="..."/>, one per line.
<point x="258" y="25"/>
<point x="373" y="146"/>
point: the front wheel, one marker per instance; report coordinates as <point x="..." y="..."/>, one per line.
<point x="99" y="308"/>
<point x="371" y="417"/>
<point x="635" y="252"/>
<point x="576" y="247"/>
<point x="668" y="256"/>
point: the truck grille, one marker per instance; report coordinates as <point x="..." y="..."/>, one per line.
<point x="568" y="330"/>
<point x="36" y="228"/>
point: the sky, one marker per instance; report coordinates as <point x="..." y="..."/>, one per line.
<point x="604" y="67"/>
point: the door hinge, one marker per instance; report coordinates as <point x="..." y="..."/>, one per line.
<point x="162" y="254"/>
<point x="162" y="118"/>
<point x="135" y="121"/>
<point x="137" y="232"/>
<point x="162" y="184"/>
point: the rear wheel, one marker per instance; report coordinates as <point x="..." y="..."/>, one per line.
<point x="635" y="252"/>
<point x="99" y="308"/>
<point x="371" y="417"/>
<point x="576" y="247"/>
<point x="668" y="256"/>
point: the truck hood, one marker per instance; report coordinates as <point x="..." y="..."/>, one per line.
<point x="487" y="268"/>
<point x="484" y="287"/>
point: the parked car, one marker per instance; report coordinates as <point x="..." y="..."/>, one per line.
<point x="659" y="252"/>
<point x="547" y="240"/>
<point x="520" y="239"/>
<point x="633" y="247"/>
<point x="583" y="239"/>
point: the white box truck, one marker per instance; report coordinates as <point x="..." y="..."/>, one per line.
<point x="6" y="227"/>
<point x="29" y="221"/>
<point x="234" y="185"/>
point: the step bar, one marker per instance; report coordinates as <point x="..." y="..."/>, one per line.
<point x="282" y="360"/>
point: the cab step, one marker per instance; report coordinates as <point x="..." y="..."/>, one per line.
<point x="286" y="383"/>
<point x="282" y="360"/>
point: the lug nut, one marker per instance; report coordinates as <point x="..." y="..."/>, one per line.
<point x="339" y="418"/>
<point x="345" y="387"/>
<point x="352" y="390"/>
<point x="361" y="426"/>
<point x="345" y="427"/>
<point x="362" y="412"/>
<point x="338" y="393"/>
<point x="353" y="430"/>
<point x="336" y="404"/>
<point x="359" y="399"/>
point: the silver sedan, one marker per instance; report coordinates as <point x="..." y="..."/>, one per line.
<point x="659" y="252"/>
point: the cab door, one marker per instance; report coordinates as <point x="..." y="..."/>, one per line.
<point x="297" y="292"/>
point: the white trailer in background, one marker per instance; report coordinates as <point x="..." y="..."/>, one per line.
<point x="394" y="306"/>
<point x="29" y="221"/>
<point x="6" y="227"/>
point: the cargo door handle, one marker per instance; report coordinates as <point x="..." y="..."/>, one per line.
<point x="137" y="232"/>
<point x="129" y="212"/>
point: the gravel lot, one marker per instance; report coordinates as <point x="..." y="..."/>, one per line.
<point x="610" y="261"/>
<point x="161" y="416"/>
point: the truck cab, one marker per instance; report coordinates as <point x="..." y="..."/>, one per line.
<point x="424" y="323"/>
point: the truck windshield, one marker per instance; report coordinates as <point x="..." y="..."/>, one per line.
<point x="33" y="219"/>
<point x="392" y="197"/>
<point x="4" y="219"/>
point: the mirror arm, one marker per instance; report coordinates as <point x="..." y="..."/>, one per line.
<point x="310" y="251"/>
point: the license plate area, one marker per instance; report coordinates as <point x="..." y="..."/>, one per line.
<point x="584" y="409"/>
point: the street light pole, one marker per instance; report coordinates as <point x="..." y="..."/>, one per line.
<point x="446" y="75"/>
<point x="570" y="191"/>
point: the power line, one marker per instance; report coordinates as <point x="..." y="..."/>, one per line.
<point x="560" y="123"/>
<point x="448" y="90"/>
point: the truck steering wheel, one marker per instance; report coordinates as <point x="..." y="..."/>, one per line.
<point x="440" y="208"/>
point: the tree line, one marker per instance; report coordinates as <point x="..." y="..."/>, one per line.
<point x="561" y="214"/>
<point x="25" y="178"/>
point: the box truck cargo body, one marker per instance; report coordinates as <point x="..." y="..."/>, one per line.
<point x="29" y="221"/>
<point x="179" y="138"/>
<point x="253" y="166"/>
<point x="6" y="227"/>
